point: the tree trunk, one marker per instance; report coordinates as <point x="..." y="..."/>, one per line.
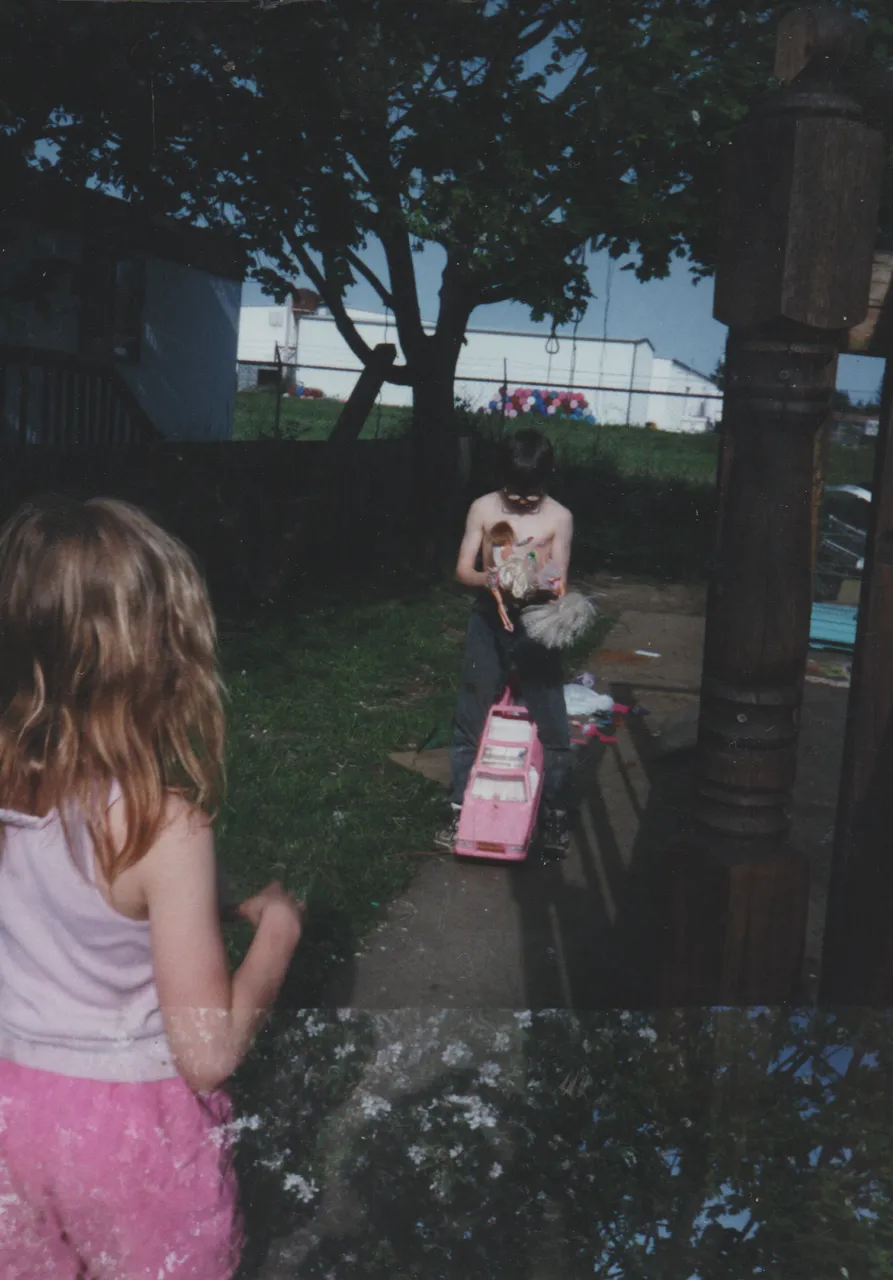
<point x="437" y="499"/>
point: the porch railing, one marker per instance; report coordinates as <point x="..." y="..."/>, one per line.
<point x="56" y="399"/>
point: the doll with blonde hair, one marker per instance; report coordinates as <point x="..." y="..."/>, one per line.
<point x="119" y="1018"/>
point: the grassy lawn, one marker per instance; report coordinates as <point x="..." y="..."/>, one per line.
<point x="255" y="418"/>
<point x="634" y="451"/>
<point x="317" y="702"/>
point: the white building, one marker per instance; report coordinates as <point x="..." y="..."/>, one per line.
<point x="114" y="326"/>
<point x="690" y="408"/>
<point x="620" y="378"/>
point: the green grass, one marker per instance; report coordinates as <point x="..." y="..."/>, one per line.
<point x="634" y="451"/>
<point x="300" y="419"/>
<point x="638" y="452"/>
<point x="317" y="703"/>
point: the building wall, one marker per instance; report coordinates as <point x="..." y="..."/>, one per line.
<point x="525" y="361"/>
<point x="488" y="354"/>
<point x="320" y="343"/>
<point x="260" y="329"/>
<point x="185" y="377"/>
<point x="690" y="412"/>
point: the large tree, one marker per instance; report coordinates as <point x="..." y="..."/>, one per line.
<point x="510" y="133"/>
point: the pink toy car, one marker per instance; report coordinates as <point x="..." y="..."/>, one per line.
<point x="502" y="798"/>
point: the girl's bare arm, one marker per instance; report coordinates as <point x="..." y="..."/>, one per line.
<point x="211" y="1016"/>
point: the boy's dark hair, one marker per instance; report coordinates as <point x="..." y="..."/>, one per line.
<point x="527" y="462"/>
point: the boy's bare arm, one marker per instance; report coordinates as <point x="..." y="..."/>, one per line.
<point x="561" y="548"/>
<point x="468" y="551"/>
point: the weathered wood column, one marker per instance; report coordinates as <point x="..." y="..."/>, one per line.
<point x="793" y="274"/>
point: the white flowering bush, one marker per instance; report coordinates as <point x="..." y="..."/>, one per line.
<point x="471" y="1144"/>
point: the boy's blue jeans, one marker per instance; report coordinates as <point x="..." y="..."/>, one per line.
<point x="489" y="652"/>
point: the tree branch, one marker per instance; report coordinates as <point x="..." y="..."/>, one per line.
<point x="458" y="299"/>
<point x="333" y="300"/>
<point x="369" y="275"/>
<point x="422" y="94"/>
<point x="401" y="269"/>
<point x="570" y="88"/>
<point x="496" y="293"/>
<point x="514" y="46"/>
<point x="539" y="34"/>
<point x="384" y="185"/>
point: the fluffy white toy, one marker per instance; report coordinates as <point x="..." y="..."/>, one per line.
<point x="517" y="576"/>
<point x="559" y="623"/>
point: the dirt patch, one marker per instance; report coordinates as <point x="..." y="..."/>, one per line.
<point x="676" y="640"/>
<point x="433" y="764"/>
<point x="620" y="595"/>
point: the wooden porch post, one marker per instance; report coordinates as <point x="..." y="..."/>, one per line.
<point x="793" y="275"/>
<point x="857" y="961"/>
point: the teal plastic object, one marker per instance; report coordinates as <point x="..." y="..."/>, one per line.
<point x="833" y="626"/>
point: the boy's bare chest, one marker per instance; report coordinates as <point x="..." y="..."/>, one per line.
<point x="536" y="531"/>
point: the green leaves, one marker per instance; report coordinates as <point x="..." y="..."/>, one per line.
<point x="508" y="133"/>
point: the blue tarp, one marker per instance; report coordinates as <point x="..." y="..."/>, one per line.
<point x="833" y="626"/>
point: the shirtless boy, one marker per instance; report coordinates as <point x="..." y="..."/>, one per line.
<point x="546" y="528"/>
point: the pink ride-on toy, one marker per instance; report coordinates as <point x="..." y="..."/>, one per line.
<point x="500" y="808"/>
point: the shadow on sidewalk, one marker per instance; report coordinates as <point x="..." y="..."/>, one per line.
<point x="599" y="914"/>
<point x="605" y="919"/>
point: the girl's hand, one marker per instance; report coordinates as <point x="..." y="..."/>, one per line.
<point x="273" y="899"/>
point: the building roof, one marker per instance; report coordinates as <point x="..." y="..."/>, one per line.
<point x="386" y="320"/>
<point x="855" y="415"/>
<point x="696" y="373"/>
<point x="45" y="200"/>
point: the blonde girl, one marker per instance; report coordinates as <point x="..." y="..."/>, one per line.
<point x="119" y="1018"/>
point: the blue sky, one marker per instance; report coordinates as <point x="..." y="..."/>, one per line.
<point x="675" y="314"/>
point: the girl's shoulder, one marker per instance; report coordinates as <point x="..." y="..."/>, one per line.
<point x="182" y="823"/>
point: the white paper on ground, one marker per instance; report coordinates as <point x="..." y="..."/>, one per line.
<point x="581" y="701"/>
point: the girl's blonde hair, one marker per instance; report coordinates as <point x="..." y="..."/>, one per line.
<point x="108" y="670"/>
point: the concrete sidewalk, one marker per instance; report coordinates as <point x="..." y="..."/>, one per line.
<point x="567" y="934"/>
<point x="489" y="940"/>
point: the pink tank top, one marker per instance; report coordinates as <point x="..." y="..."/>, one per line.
<point x="77" y="989"/>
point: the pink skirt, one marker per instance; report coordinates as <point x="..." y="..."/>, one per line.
<point x="104" y="1181"/>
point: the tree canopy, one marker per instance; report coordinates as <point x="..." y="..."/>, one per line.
<point x="508" y="134"/>
<point x="511" y="134"/>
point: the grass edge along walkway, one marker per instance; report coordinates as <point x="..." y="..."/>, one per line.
<point x="317" y="701"/>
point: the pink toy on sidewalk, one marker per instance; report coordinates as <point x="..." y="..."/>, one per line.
<point x="502" y="798"/>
